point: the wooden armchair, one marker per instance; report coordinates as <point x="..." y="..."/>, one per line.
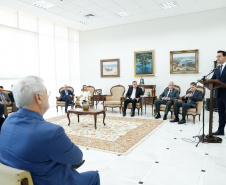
<point x="13" y="176"/>
<point x="62" y="103"/>
<point x="138" y="104"/>
<point x="114" y="100"/>
<point x="163" y="107"/>
<point x="198" y="109"/>
<point x="91" y="89"/>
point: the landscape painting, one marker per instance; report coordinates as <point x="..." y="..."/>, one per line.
<point x="144" y="63"/>
<point x="110" y="68"/>
<point x="185" y="61"/>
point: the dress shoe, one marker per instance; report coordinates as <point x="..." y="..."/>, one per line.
<point x="165" y="117"/>
<point x="78" y="165"/>
<point x="124" y="114"/>
<point x="158" y="116"/>
<point x="174" y="120"/>
<point x="65" y="111"/>
<point x="182" y="121"/>
<point x="73" y="104"/>
<point x="133" y="114"/>
<point x="217" y="133"/>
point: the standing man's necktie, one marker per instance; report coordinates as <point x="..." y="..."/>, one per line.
<point x="169" y="93"/>
<point x="221" y="69"/>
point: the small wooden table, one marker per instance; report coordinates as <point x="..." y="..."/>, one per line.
<point x="98" y="98"/>
<point x="94" y="112"/>
<point x="148" y="100"/>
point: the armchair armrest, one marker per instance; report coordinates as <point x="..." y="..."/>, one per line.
<point x="199" y="105"/>
<point x="108" y="98"/>
<point x="58" y="98"/>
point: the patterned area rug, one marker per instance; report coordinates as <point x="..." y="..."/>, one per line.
<point x="120" y="135"/>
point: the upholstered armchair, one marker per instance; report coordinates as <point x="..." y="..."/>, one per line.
<point x="163" y="107"/>
<point x="138" y="104"/>
<point x="114" y="100"/>
<point x="91" y="89"/>
<point x="13" y="176"/>
<point x="62" y="103"/>
<point x="198" y="109"/>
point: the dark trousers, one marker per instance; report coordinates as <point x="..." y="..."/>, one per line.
<point x="221" y="106"/>
<point x="1" y="109"/>
<point x="185" y="107"/>
<point x="133" y="101"/>
<point x="1" y="122"/>
<point x="67" y="100"/>
<point x="159" y="102"/>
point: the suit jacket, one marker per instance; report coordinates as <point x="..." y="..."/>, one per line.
<point x="63" y="94"/>
<point x="174" y="94"/>
<point x="11" y="97"/>
<point x="30" y="143"/>
<point x="220" y="92"/>
<point x="197" y="96"/>
<point x="6" y="97"/>
<point x="139" y="92"/>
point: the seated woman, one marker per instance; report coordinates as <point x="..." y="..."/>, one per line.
<point x="85" y="95"/>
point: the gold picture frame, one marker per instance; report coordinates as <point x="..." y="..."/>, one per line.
<point x="184" y="62"/>
<point x="110" y="68"/>
<point x="144" y="63"/>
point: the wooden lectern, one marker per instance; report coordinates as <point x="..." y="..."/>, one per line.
<point x="212" y="85"/>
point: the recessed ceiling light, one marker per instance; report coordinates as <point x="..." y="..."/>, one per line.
<point x="86" y="22"/>
<point x="43" y="4"/>
<point x="171" y="4"/>
<point x="122" y="14"/>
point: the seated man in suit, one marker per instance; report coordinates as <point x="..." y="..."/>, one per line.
<point x="1" y="115"/>
<point x="5" y="101"/>
<point x="12" y="99"/>
<point x="132" y="96"/>
<point x="30" y="143"/>
<point x="167" y="97"/>
<point x="192" y="97"/>
<point x="66" y="96"/>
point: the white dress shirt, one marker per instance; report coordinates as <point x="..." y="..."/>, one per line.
<point x="133" y="96"/>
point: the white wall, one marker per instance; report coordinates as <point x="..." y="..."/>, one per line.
<point x="204" y="31"/>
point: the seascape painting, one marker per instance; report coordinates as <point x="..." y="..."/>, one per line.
<point x="184" y="61"/>
<point x="110" y="68"/>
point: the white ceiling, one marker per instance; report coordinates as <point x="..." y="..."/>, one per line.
<point x="71" y="12"/>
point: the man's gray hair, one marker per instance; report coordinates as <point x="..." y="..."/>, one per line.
<point x="171" y="83"/>
<point x="25" y="89"/>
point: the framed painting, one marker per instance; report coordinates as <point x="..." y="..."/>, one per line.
<point x="182" y="62"/>
<point x="110" y="68"/>
<point x="144" y="63"/>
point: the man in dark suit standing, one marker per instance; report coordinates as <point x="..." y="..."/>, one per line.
<point x="220" y="74"/>
<point x="192" y="97"/>
<point x="66" y="96"/>
<point x="167" y="97"/>
<point x="132" y="96"/>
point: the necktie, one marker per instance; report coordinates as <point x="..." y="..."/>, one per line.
<point x="189" y="99"/>
<point x="169" y="93"/>
<point x="221" y="70"/>
<point x="3" y="99"/>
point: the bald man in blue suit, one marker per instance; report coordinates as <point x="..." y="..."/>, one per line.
<point x="28" y="142"/>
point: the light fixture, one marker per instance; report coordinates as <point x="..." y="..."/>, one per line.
<point x="171" y="4"/>
<point x="43" y="4"/>
<point x="122" y="14"/>
<point x="86" y="21"/>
